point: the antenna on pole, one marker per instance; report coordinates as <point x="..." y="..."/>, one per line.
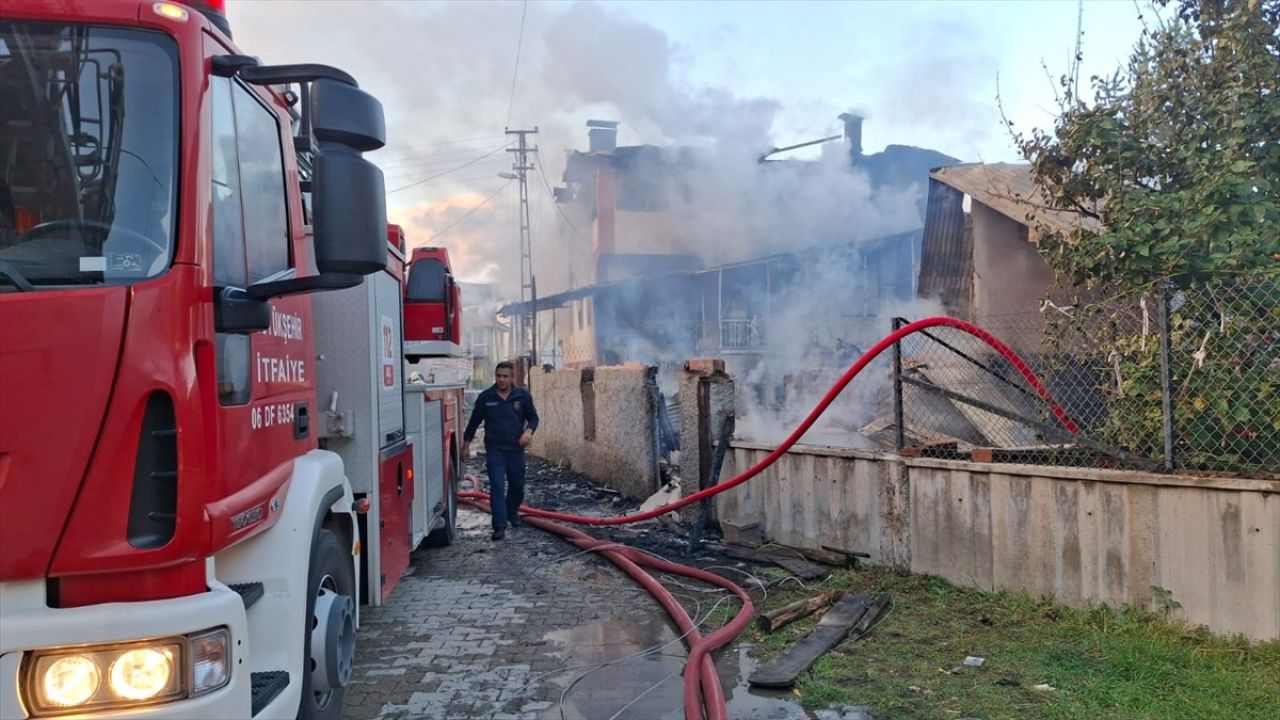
<point x="527" y="325"/>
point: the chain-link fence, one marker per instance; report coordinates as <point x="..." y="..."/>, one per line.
<point x="1184" y="379"/>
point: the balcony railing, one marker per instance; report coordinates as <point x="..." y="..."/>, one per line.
<point x="733" y="335"/>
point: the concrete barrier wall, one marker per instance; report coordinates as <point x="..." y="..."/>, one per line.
<point x="599" y="422"/>
<point x="1082" y="536"/>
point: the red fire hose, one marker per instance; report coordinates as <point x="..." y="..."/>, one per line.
<point x="817" y="411"/>
<point x="703" y="687"/>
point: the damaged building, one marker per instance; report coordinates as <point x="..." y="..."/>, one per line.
<point x="981" y="254"/>
<point x="654" y="290"/>
<point x="981" y="260"/>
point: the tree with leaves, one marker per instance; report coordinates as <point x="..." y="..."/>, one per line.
<point x="1177" y="156"/>
<point x="1176" y="161"/>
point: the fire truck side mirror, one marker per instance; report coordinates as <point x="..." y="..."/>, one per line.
<point x="347" y="115"/>
<point x="237" y="312"/>
<point x="348" y="192"/>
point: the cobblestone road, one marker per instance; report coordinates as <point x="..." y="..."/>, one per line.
<point x="507" y="629"/>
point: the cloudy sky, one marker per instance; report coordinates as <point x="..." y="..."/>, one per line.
<point x="728" y="74"/>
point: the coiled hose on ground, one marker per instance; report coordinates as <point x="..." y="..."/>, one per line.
<point x="702" y="687"/>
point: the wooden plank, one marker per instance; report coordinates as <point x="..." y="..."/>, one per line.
<point x="802" y="569"/>
<point x="945" y="453"/>
<point x="1067" y="455"/>
<point x="823" y="556"/>
<point x="799" y="567"/>
<point x="775" y="619"/>
<point x="849" y="613"/>
<point x="926" y="449"/>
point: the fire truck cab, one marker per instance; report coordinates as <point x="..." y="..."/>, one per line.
<point x="432" y="306"/>
<point x="180" y="492"/>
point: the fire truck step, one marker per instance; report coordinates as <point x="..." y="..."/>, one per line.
<point x="250" y="592"/>
<point x="266" y="686"/>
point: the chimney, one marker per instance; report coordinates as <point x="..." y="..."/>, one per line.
<point x="853" y="134"/>
<point x="602" y="135"/>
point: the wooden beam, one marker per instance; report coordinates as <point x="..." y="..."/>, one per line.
<point x="831" y="629"/>
<point x="775" y="619"/>
<point x="799" y="567"/>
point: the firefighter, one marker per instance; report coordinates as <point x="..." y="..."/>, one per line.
<point x="509" y="423"/>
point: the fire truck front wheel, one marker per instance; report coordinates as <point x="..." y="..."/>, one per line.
<point x="330" y="637"/>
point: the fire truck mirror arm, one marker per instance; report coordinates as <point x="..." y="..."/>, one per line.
<point x="287" y="283"/>
<point x="252" y="72"/>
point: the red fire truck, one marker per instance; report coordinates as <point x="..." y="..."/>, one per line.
<point x="432" y="306"/>
<point x="208" y="452"/>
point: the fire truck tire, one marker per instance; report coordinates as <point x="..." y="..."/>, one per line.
<point x="444" y="536"/>
<point x="330" y="632"/>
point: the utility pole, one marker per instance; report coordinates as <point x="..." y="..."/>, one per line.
<point x="527" y="327"/>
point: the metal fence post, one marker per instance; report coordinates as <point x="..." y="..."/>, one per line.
<point x="1166" y="375"/>
<point x="900" y="435"/>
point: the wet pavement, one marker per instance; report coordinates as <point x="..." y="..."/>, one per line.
<point x="530" y="628"/>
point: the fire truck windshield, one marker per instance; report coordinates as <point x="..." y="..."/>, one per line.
<point x="426" y="281"/>
<point x="88" y="155"/>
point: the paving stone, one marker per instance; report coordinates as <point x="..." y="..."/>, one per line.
<point x="463" y="637"/>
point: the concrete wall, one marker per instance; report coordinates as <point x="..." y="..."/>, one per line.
<point x="600" y="423"/>
<point x="1081" y="536"/>
<point x="700" y="426"/>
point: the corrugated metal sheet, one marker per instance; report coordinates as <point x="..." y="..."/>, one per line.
<point x="1010" y="190"/>
<point x="946" y="262"/>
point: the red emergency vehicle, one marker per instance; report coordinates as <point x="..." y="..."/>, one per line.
<point x="432" y="306"/>
<point x="208" y="452"/>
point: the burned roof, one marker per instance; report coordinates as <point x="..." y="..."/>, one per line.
<point x="1011" y="190"/>
<point x="818" y="254"/>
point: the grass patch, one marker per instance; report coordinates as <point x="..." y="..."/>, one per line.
<point x="1101" y="662"/>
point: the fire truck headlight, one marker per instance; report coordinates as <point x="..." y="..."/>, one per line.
<point x="210" y="661"/>
<point x="77" y="680"/>
<point x="69" y="680"/>
<point x="143" y="673"/>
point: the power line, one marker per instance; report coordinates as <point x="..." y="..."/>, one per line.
<point x="516" y="70"/>
<point x="429" y="160"/>
<point x="552" y="194"/>
<point x="416" y="171"/>
<point x="467" y="214"/>
<point x="390" y="148"/>
<point x="446" y="172"/>
<point x="473" y="178"/>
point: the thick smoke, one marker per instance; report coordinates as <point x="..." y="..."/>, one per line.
<point x="444" y="72"/>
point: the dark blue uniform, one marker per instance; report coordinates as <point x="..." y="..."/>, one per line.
<point x="505" y="420"/>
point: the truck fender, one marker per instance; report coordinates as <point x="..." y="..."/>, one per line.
<point x="318" y="496"/>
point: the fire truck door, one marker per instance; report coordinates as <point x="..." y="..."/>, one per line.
<point x="263" y="378"/>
